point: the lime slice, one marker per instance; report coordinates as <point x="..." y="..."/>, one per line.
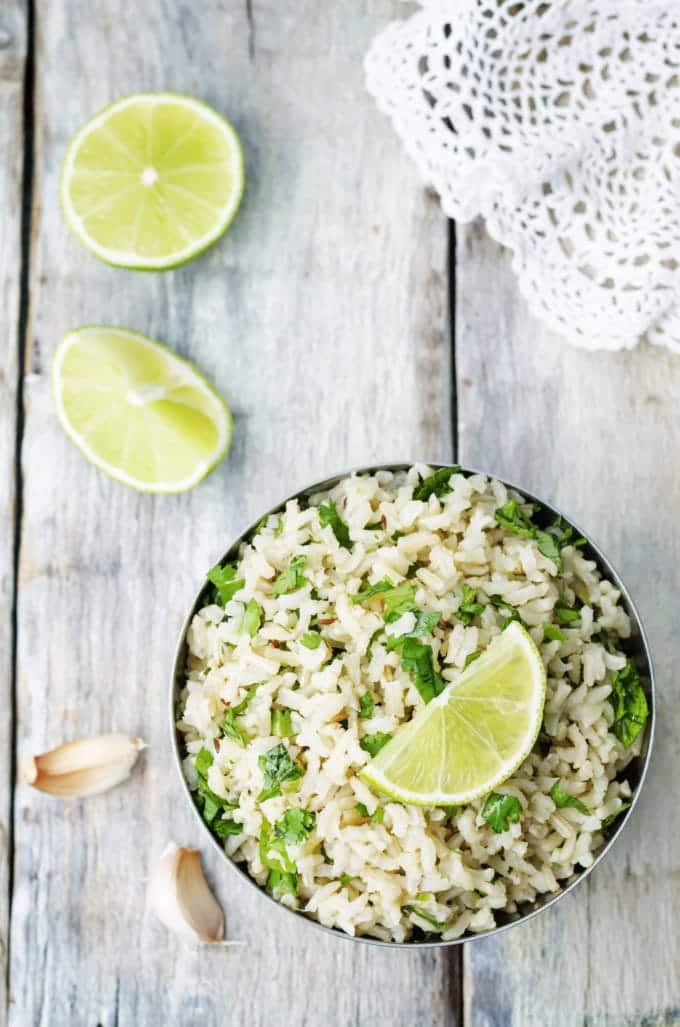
<point x="471" y="737"/>
<point x="152" y="180"/>
<point x="138" y="411"/>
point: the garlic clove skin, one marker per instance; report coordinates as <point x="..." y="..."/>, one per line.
<point x="84" y="767"/>
<point x="179" y="895"/>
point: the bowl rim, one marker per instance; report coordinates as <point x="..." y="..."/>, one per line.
<point x="604" y="565"/>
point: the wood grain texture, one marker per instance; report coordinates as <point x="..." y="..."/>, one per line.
<point x="598" y="434"/>
<point x="12" y="68"/>
<point x="322" y="318"/>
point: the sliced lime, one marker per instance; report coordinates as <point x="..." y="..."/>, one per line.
<point x="472" y="736"/>
<point x="138" y="411"/>
<point x="152" y="180"/>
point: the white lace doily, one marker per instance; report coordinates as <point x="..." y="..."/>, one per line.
<point x="559" y="123"/>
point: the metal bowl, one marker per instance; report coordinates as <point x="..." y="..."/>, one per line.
<point x="636" y="647"/>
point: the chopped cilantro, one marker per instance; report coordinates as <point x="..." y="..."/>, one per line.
<point x="372" y="590"/>
<point x="439" y="925"/>
<point x="278" y="530"/>
<point x="500" y="811"/>
<point x="329" y="516"/>
<point x="469" y="607"/>
<point x="604" y="639"/>
<point x="369" y="648"/>
<point x="630" y="704"/>
<point x="379" y="815"/>
<point x="551" y="633"/>
<point x="608" y="821"/>
<point x="274" y="856"/>
<point x="207" y="801"/>
<point x="372" y="744"/>
<point x="511" y="611"/>
<point x="417" y="659"/>
<point x="295" y="826"/>
<point x="565" y="613"/>
<point x="311" y="640"/>
<point x="277" y="768"/>
<point x="282" y="724"/>
<point x="376" y="526"/>
<point x="346" y="878"/>
<point x="292" y="578"/>
<point x="204" y="760"/>
<point x="438" y="484"/>
<point x="224" y="828"/>
<point x="549" y="546"/>
<point x="426" y="622"/>
<point x="563" y="799"/>
<point x="514" y="519"/>
<point x="398" y="601"/>
<point x="366" y="706"/>
<point x="229" y="725"/>
<point x="362" y="810"/>
<point x="252" y="617"/>
<point x="225" y="581"/>
<point x="470" y="658"/>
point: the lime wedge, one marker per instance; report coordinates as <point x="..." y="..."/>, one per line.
<point x="152" y="180"/>
<point x="471" y="737"/>
<point x="138" y="411"/>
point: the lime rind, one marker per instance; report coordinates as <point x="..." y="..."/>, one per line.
<point x="188" y="374"/>
<point x="129" y="260"/>
<point x="376" y="773"/>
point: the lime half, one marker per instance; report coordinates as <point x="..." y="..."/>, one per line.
<point x="152" y="180"/>
<point x="471" y="737"/>
<point x="138" y="411"/>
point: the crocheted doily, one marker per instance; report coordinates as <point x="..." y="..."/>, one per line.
<point x="559" y="123"/>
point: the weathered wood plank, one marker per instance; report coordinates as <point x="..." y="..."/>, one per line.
<point x="12" y="70"/>
<point x="322" y="318"/>
<point x="599" y="434"/>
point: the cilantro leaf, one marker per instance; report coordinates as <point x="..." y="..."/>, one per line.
<point x="417" y="659"/>
<point x="398" y="601"/>
<point x="311" y="640"/>
<point x="439" y="925"/>
<point x="252" y="617"/>
<point x="553" y="634"/>
<point x="292" y="578"/>
<point x="362" y="810"/>
<point x="225" y="581"/>
<point x="295" y="826"/>
<point x="513" y="518"/>
<point x="274" y="856"/>
<point x="366" y="706"/>
<point x="438" y="484"/>
<point x="549" y="546"/>
<point x="605" y="640"/>
<point x="469" y="607"/>
<point x="470" y="658"/>
<point x="282" y="724"/>
<point x="608" y="821"/>
<point x="565" y="613"/>
<point x="372" y="744"/>
<point x="224" y="828"/>
<point x="500" y="811"/>
<point x="328" y="515"/>
<point x="384" y="585"/>
<point x="379" y="815"/>
<point x="511" y="611"/>
<point x="207" y="801"/>
<point x="282" y="881"/>
<point x="630" y="704"/>
<point x="346" y="878"/>
<point x="229" y="725"/>
<point x="204" y="760"/>
<point x="563" y="799"/>
<point x="426" y="622"/>
<point x="277" y="768"/>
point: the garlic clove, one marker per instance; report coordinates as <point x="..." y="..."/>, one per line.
<point x="84" y="767"/>
<point x="179" y="895"/>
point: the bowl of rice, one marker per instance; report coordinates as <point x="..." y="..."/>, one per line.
<point x="287" y="681"/>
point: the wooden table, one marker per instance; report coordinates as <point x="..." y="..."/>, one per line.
<point x="346" y="322"/>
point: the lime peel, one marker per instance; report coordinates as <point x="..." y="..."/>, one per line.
<point x="471" y="737"/>
<point x="137" y="411"/>
<point x="152" y="180"/>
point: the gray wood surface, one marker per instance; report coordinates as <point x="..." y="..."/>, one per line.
<point x="599" y="434"/>
<point x="322" y="317"/>
<point x="12" y="61"/>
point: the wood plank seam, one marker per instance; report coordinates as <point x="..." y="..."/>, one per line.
<point x="21" y="342"/>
